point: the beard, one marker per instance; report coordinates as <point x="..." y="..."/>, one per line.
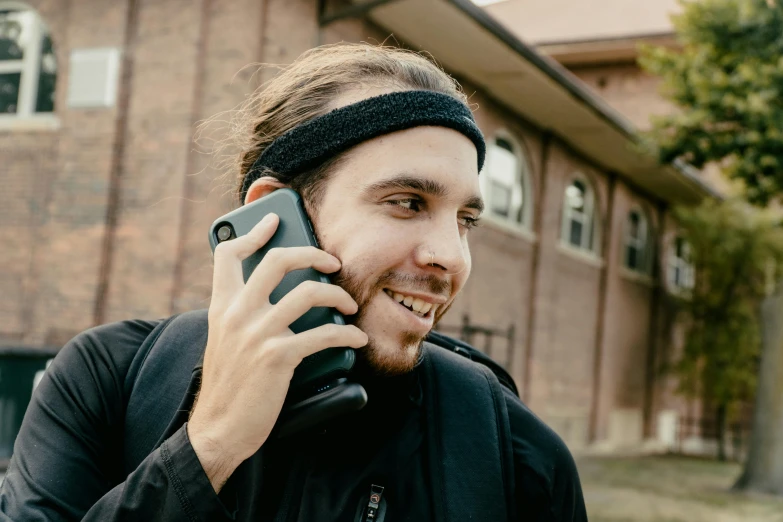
<point x="403" y="356"/>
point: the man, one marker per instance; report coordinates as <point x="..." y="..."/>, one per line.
<point x="384" y="151"/>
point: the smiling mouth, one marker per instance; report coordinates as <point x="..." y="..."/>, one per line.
<point x="414" y="305"/>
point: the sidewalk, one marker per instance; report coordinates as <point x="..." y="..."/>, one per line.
<point x="669" y="489"/>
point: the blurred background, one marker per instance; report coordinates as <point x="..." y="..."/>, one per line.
<point x="625" y="273"/>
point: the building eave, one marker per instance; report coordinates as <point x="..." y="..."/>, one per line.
<point x="602" y="51"/>
<point x="468" y="42"/>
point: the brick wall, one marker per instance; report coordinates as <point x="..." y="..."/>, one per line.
<point x="225" y="79"/>
<point x="154" y="163"/>
<point x="187" y="61"/>
<point x="68" y="173"/>
<point x="626" y="335"/>
<point x="628" y="89"/>
<point x="30" y="160"/>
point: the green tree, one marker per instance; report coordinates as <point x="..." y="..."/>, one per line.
<point x="726" y="78"/>
<point x="733" y="246"/>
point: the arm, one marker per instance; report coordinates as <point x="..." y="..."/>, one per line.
<point x="68" y="458"/>
<point x="557" y="498"/>
<point x="546" y="479"/>
<point x="67" y="462"/>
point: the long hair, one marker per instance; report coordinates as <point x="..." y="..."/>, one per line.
<point x="305" y="89"/>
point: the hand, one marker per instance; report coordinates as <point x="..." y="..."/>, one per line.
<point x="251" y="353"/>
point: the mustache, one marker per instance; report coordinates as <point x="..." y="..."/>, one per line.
<point x="430" y="283"/>
<point x="362" y="293"/>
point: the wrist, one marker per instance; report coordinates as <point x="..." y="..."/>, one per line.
<point x="218" y="463"/>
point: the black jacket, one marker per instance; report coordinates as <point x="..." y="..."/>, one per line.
<point x="83" y="452"/>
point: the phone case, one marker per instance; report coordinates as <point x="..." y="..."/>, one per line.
<point x="294" y="229"/>
<point x="334" y="400"/>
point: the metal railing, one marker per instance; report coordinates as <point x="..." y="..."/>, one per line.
<point x="483" y="338"/>
<point x="736" y="436"/>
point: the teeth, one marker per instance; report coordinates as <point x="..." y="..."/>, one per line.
<point x="417" y="306"/>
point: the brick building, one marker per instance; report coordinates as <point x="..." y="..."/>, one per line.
<point x="105" y="201"/>
<point x="598" y="43"/>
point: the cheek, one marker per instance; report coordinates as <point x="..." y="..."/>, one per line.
<point x="461" y="278"/>
<point x="371" y="247"/>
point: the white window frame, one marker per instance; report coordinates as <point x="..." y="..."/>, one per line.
<point x="642" y="243"/>
<point x="520" y="189"/>
<point x="685" y="266"/>
<point x="29" y="68"/>
<point x="587" y="218"/>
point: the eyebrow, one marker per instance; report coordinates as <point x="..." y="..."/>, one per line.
<point x="474" y="202"/>
<point x="423" y="185"/>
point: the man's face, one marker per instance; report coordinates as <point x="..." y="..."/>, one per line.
<point x="396" y="199"/>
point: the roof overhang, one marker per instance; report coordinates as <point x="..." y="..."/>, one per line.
<point x="469" y="43"/>
<point x="594" y="52"/>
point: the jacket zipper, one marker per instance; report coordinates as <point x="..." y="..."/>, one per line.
<point x="294" y="486"/>
<point x="371" y="514"/>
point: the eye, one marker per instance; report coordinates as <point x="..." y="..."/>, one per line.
<point x="407" y="204"/>
<point x="414" y="205"/>
<point x="469" y="222"/>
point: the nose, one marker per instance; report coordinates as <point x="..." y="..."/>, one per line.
<point x="445" y="249"/>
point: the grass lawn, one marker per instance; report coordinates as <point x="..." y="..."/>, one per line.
<point x="669" y="489"/>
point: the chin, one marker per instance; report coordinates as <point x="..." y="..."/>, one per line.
<point x="391" y="358"/>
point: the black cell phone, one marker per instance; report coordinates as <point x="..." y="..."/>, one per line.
<point x="294" y="230"/>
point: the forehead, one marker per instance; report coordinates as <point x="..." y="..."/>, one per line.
<point x="436" y="153"/>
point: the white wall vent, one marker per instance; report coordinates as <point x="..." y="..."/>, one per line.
<point x="92" y="77"/>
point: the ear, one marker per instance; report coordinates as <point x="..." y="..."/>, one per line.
<point x="261" y="187"/>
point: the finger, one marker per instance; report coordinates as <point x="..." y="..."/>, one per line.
<point x="312" y="341"/>
<point x="279" y="261"/>
<point x="305" y="296"/>
<point x="228" y="279"/>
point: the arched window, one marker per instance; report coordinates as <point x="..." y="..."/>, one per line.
<point x="579" y="215"/>
<point x="28" y="67"/>
<point x="680" y="265"/>
<point x="505" y="182"/>
<point x="637" y="242"/>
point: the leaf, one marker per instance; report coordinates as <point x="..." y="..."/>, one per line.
<point x="735" y="247"/>
<point x="726" y="81"/>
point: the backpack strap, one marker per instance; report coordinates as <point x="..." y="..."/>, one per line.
<point x="468" y="439"/>
<point x="464" y="349"/>
<point x="468" y="433"/>
<point x="168" y="364"/>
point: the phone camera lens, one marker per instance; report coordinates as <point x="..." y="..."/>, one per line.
<point x="225" y="232"/>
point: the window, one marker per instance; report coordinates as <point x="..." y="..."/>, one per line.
<point x="637" y="242"/>
<point x="28" y="67"/>
<point x="578" y="216"/>
<point x="681" y="271"/>
<point x="504" y="182"/>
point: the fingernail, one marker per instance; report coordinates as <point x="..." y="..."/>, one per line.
<point x="268" y="218"/>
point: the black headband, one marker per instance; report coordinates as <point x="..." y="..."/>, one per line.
<point x="310" y="144"/>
